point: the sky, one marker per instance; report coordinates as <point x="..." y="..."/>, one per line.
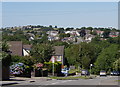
<point x="61" y="14"/>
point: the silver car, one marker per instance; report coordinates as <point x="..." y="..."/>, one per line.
<point x="103" y="73"/>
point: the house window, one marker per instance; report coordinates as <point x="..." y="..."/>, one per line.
<point x="59" y="58"/>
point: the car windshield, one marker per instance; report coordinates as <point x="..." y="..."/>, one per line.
<point x="102" y="71"/>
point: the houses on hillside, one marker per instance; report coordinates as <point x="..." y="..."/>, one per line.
<point x="73" y="33"/>
<point x="99" y="33"/>
<point x="53" y="35"/>
<point x="114" y="34"/>
<point x="89" y="37"/>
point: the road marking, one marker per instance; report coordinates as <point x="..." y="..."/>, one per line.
<point x="60" y="82"/>
<point x="54" y="83"/>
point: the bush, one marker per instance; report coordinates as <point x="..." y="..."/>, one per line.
<point x="49" y="66"/>
<point x="6" y="58"/>
<point x="19" y="69"/>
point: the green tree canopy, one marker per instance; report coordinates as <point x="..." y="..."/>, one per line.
<point x="41" y="52"/>
<point x="72" y="54"/>
<point x="116" y="65"/>
<point x="106" y="58"/>
<point x="87" y="55"/>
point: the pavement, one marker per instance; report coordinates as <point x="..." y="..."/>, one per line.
<point x="19" y="80"/>
<point x="45" y="81"/>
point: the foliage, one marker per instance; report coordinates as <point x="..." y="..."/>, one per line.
<point x="60" y="30"/>
<point x="16" y="37"/>
<point x="41" y="52"/>
<point x="73" y="71"/>
<point x="59" y="43"/>
<point x="49" y="66"/>
<point x="5" y="55"/>
<point x="72" y="78"/>
<point x="16" y="58"/>
<point x="27" y="60"/>
<point x="18" y="68"/>
<point x="82" y="33"/>
<point x="106" y="58"/>
<point x="6" y="58"/>
<point x="5" y="46"/>
<point x="106" y="33"/>
<point x="72" y="54"/>
<point x="38" y="66"/>
<point x="87" y="55"/>
<point x="62" y="35"/>
<point x="115" y="40"/>
<point x="93" y="33"/>
<point x="116" y="65"/>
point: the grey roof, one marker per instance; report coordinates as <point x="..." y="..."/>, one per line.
<point x="59" y="50"/>
<point x="28" y="47"/>
<point x="16" y="47"/>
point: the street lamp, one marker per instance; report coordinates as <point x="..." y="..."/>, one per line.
<point x="90" y="68"/>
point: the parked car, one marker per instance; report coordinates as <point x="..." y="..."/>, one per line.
<point x="84" y="72"/>
<point x="103" y="73"/>
<point x="65" y="71"/>
<point x="115" y="73"/>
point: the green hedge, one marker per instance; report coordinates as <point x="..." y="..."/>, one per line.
<point x="49" y="66"/>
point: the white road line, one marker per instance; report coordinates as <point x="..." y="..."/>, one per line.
<point x="54" y="83"/>
<point x="60" y="82"/>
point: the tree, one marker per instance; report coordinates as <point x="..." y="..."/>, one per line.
<point x="5" y="46"/>
<point x="116" y="65"/>
<point x="114" y="40"/>
<point x="90" y="28"/>
<point x="82" y="33"/>
<point x="59" y="43"/>
<point x="87" y="55"/>
<point x="62" y="35"/>
<point x="93" y="33"/>
<point x="83" y="27"/>
<point x="60" y="30"/>
<point x="50" y="26"/>
<point x="4" y="54"/>
<point x="72" y="54"/>
<point x="55" y="26"/>
<point x="106" y="33"/>
<point x="69" y="29"/>
<point x="106" y="58"/>
<point x="41" y="52"/>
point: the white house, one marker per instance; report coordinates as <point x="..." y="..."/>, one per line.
<point x="52" y="33"/>
<point x="89" y="37"/>
<point x="74" y="32"/>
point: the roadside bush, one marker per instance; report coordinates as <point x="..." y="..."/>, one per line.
<point x="19" y="69"/>
<point x="49" y="66"/>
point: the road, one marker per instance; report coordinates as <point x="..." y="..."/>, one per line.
<point x="109" y="80"/>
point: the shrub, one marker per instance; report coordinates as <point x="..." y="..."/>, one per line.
<point x="18" y="69"/>
<point x="49" y="66"/>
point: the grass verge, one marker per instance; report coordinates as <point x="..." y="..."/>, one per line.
<point x="118" y="80"/>
<point x="72" y="78"/>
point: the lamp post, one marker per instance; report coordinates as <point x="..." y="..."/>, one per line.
<point x="53" y="61"/>
<point x="90" y="68"/>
